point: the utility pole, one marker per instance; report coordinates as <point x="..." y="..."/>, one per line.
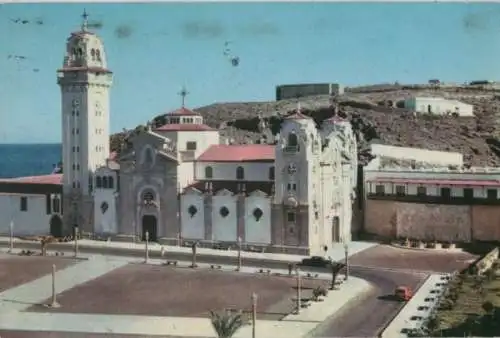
<point x="239" y="254"/>
<point x="254" y="313"/>
<point x="299" y="294"/>
<point x="76" y="234"/>
<point x="146" y="248"/>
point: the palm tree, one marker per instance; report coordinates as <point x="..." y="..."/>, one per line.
<point x="226" y="324"/>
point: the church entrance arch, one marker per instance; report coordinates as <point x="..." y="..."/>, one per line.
<point x="336" y="229"/>
<point x="150" y="224"/>
<point x="56" y="226"/>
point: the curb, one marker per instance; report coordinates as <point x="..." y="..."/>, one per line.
<point x="456" y="250"/>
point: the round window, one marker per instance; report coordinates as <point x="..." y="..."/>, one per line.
<point x="224" y="211"/>
<point x="257" y="213"/>
<point x="192" y="210"/>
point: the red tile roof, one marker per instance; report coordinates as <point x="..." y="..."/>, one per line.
<point x="85" y="69"/>
<point x="456" y="182"/>
<point x="42" y="179"/>
<point x="183" y="112"/>
<point x="238" y="153"/>
<point x="184" y="127"/>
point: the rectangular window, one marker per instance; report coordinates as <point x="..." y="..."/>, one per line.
<point x="492" y="194"/>
<point x="24" y="204"/>
<point x="291" y="217"/>
<point x="468" y="193"/>
<point x="400" y="190"/>
<point x="379" y="190"/>
<point x="446" y="192"/>
<point x="191" y="145"/>
<point x="421" y="191"/>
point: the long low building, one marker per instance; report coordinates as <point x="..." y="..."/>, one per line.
<point x="439" y="106"/>
<point x="425" y="202"/>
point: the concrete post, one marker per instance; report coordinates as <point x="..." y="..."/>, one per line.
<point x="54" y="303"/>
<point x="146" y="247"/>
<point x="254" y="313"/>
<point x="76" y="235"/>
<point x="299" y="293"/>
<point x="178" y="239"/>
<point x="193" y="257"/>
<point x="11" y="237"/>
<point x="239" y="254"/>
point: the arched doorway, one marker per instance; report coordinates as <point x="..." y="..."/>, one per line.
<point x="335" y="229"/>
<point x="56" y="226"/>
<point x="150" y="224"/>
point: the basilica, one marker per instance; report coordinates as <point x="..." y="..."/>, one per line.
<point x="182" y="181"/>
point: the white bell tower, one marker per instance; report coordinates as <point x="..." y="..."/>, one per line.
<point x="85" y="82"/>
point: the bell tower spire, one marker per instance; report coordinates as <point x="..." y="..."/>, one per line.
<point x="85" y="21"/>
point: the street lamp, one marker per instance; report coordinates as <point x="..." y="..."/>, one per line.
<point x="11" y="239"/>
<point x="146" y="247"/>
<point x="346" y="251"/>
<point x="76" y="234"/>
<point x="254" y="312"/>
<point x="299" y="305"/>
<point x="239" y="254"/>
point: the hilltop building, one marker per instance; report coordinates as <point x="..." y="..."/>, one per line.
<point x="178" y="181"/>
<point x="439" y="106"/>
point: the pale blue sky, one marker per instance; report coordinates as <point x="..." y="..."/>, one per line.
<point x="174" y="44"/>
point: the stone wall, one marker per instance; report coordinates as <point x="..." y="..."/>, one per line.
<point x="457" y="223"/>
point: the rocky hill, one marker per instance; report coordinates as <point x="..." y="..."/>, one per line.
<point x="372" y="112"/>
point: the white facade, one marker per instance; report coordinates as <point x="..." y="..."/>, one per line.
<point x="253" y="171"/>
<point x="258" y="218"/>
<point x="30" y="214"/>
<point x="105" y="201"/>
<point x="439" y="106"/>
<point x="193" y="215"/>
<point x="224" y="217"/>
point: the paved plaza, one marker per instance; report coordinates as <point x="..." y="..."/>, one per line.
<point x="120" y="296"/>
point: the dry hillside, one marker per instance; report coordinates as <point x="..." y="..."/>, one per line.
<point x="373" y="121"/>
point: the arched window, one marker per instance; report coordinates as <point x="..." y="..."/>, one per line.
<point x="56" y="205"/>
<point x="292" y="140"/>
<point x="271" y="173"/>
<point x="92" y="54"/>
<point x="105" y="182"/>
<point x="98" y="55"/>
<point x="148" y="196"/>
<point x="240" y="173"/>
<point x="111" y="182"/>
<point x="98" y="182"/>
<point x="209" y="172"/>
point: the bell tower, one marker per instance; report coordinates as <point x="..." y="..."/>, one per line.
<point x="85" y="82"/>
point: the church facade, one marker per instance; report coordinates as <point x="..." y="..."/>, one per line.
<point x="180" y="181"/>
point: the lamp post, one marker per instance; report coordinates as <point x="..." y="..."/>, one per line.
<point x="54" y="303"/>
<point x="299" y="296"/>
<point x="11" y="236"/>
<point x="239" y="254"/>
<point x="146" y="247"/>
<point x="76" y="234"/>
<point x="346" y="251"/>
<point x="193" y="255"/>
<point x="254" y="312"/>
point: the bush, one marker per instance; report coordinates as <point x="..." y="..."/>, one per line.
<point x="318" y="292"/>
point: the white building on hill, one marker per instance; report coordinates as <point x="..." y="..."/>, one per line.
<point x="439" y="106"/>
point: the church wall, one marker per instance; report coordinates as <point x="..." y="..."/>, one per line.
<point x="185" y="174"/>
<point x="257" y="230"/>
<point x="254" y="171"/>
<point x="203" y="139"/>
<point x="105" y="217"/>
<point x="34" y="221"/>
<point x="192" y="224"/>
<point x="224" y="228"/>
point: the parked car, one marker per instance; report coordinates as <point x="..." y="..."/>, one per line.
<point x="315" y="261"/>
<point x="403" y="293"/>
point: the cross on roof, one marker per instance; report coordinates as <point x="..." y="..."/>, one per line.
<point x="85" y="18"/>
<point x="183" y="93"/>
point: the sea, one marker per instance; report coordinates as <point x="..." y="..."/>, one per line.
<point x="17" y="160"/>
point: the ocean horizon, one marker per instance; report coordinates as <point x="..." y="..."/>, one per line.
<point x="25" y="159"/>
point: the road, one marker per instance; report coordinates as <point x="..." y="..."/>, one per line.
<point x="368" y="315"/>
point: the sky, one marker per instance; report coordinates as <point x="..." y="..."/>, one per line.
<point x="154" y="49"/>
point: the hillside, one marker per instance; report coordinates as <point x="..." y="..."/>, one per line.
<point x="373" y="121"/>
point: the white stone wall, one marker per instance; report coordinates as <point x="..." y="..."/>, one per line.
<point x="444" y="158"/>
<point x="254" y="171"/>
<point x="185" y="174"/>
<point x="258" y="231"/>
<point x="432" y="189"/>
<point x="439" y="106"/>
<point x="105" y="219"/>
<point x="34" y="221"/>
<point x="192" y="225"/>
<point x="224" y="228"/>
